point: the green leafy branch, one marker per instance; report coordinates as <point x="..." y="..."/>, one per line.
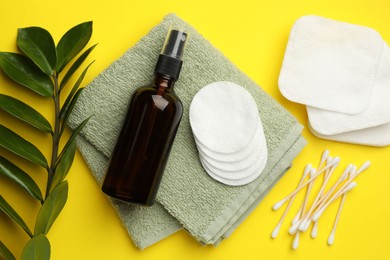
<point x="40" y="68"/>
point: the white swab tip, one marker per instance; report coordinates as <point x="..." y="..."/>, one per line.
<point x="350" y="186"/>
<point x="278" y="204"/>
<point x="334" y="161"/>
<point x="324" y="156"/>
<point x="329" y="159"/>
<point x="317" y="215"/>
<point x="302" y="225"/>
<point x="293" y="229"/>
<point x="295" y="219"/>
<point x="348" y="169"/>
<point x="314" y="231"/>
<point x="346" y="172"/>
<point x="275" y="232"/>
<point x="331" y="239"/>
<point x="295" y="242"/>
<point x="364" y="167"/>
<point x="313" y="171"/>
<point x="308" y="222"/>
<point x="307" y="170"/>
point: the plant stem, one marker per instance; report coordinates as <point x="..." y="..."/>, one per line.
<point x="56" y="135"/>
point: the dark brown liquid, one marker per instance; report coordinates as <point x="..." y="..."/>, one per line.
<point x="140" y="155"/>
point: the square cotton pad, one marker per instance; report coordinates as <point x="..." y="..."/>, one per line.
<point x="374" y="136"/>
<point x="330" y="65"/>
<point x="377" y="113"/>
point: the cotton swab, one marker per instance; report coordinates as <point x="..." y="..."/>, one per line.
<point x="297" y="216"/>
<point x="343" y="176"/>
<point x="278" y="204"/>
<point x="325" y="156"/>
<point x="336" y="221"/>
<point x="304" y="204"/>
<point x="294" y="227"/>
<point x="325" y="196"/>
<point x="295" y="241"/>
<point x="302" y="220"/>
<point x="309" y="188"/>
<point x="363" y="167"/>
<point x="346" y="188"/>
<point x="275" y="232"/>
<point x="328" y="173"/>
<point x="305" y="223"/>
<point x="314" y="230"/>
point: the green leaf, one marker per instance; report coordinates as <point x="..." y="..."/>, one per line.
<point x="38" y="248"/>
<point x="10" y="170"/>
<point x="69" y="103"/>
<point x="20" y="146"/>
<point x="24" y="112"/>
<point x="5" y="252"/>
<point x="10" y="212"/>
<point x="64" y="165"/>
<point x="38" y="45"/>
<point x="23" y="71"/>
<point x="71" y="100"/>
<point x="52" y="207"/>
<point x="75" y="66"/>
<point x="72" y="43"/>
<point x="72" y="138"/>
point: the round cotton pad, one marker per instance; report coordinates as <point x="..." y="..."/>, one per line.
<point x="223" y="117"/>
<point x="232" y="157"/>
<point x="237" y="165"/>
<point x="235" y="172"/>
<point x="228" y="133"/>
<point x="237" y="182"/>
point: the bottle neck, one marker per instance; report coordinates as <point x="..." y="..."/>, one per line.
<point x="164" y="83"/>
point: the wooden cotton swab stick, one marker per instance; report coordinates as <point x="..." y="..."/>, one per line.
<point x="325" y="156"/>
<point x="294" y="227"/>
<point x="301" y="211"/>
<point x="324" y="200"/>
<point x="305" y="223"/>
<point x="304" y="204"/>
<point x="336" y="221"/>
<point x="309" y="187"/>
<point x="275" y="232"/>
<point x="297" y="216"/>
<point x="346" y="187"/>
<point x="320" y="200"/>
<point x="327" y="175"/>
<point x="278" y="204"/>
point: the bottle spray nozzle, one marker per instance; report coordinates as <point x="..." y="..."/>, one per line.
<point x="175" y="43"/>
<point x="170" y="60"/>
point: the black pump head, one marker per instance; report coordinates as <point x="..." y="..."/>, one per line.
<point x="170" y="60"/>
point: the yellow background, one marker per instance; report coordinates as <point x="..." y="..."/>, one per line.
<point x="253" y="35"/>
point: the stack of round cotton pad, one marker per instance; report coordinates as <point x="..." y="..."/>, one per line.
<point x="228" y="133"/>
<point x="341" y="72"/>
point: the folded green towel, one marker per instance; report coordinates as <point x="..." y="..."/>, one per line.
<point x="207" y="209"/>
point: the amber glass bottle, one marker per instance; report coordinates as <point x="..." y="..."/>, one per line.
<point x="144" y="143"/>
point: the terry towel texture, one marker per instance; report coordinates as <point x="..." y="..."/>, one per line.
<point x="187" y="197"/>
